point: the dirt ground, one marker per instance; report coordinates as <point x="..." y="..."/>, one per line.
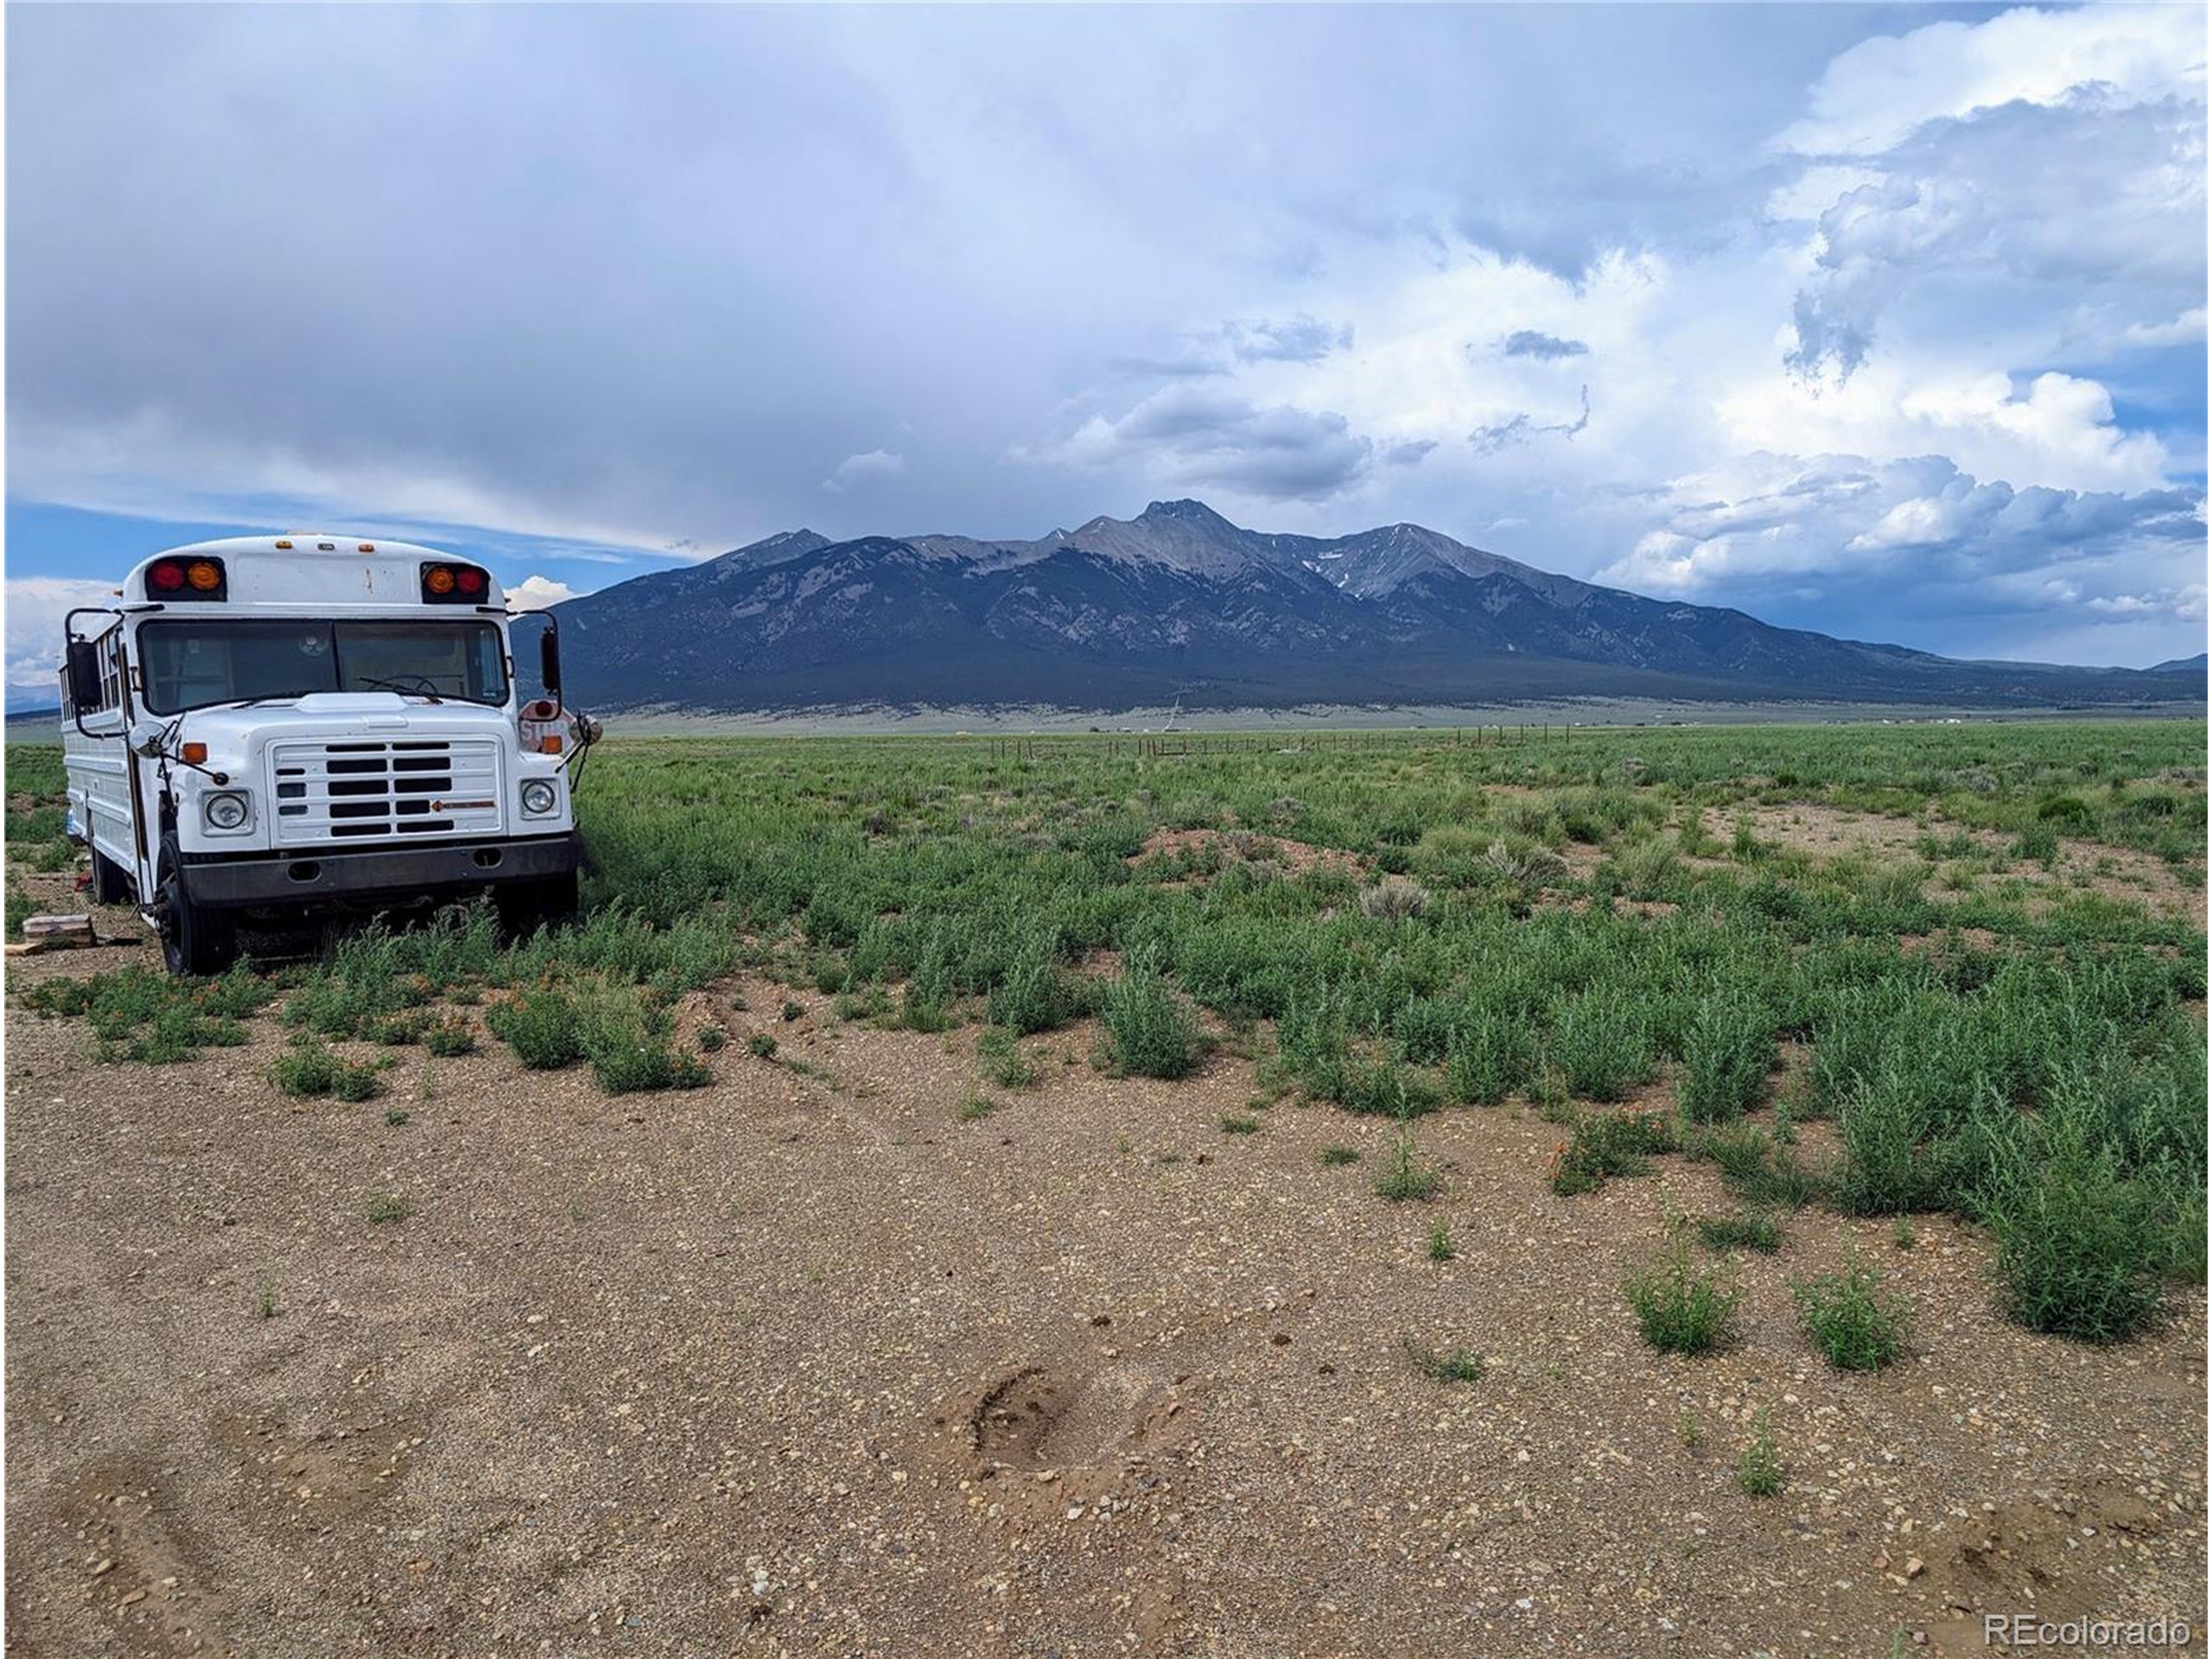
<point x="2115" y="873"/>
<point x="798" y="1363"/>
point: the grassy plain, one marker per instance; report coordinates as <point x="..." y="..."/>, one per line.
<point x="1856" y="994"/>
<point x="1996" y="998"/>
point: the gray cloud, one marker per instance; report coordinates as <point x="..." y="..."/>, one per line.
<point x="1524" y="427"/>
<point x="1835" y="541"/>
<point x="1547" y="348"/>
<point x="1196" y="437"/>
<point x="1300" y="339"/>
<point x="867" y="466"/>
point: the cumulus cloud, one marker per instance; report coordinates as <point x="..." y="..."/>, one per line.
<point x="1531" y="342"/>
<point x="1848" y="534"/>
<point x="1197" y="437"/>
<point x="2058" y="428"/>
<point x="1877" y="94"/>
<point x="874" y="465"/>
<point x="536" y="593"/>
<point x="36" y="606"/>
<point x="2187" y="329"/>
<point x="1995" y="163"/>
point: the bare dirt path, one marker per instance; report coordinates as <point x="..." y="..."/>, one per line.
<point x="800" y="1363"/>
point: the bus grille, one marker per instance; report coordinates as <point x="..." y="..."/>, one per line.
<point x="360" y="790"/>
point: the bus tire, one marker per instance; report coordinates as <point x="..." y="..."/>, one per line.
<point x="195" y="939"/>
<point x="110" y="884"/>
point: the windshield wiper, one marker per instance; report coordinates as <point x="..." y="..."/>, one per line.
<point x="241" y="703"/>
<point x="403" y="690"/>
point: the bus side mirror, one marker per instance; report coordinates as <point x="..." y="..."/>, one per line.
<point x="84" y="676"/>
<point x="548" y="661"/>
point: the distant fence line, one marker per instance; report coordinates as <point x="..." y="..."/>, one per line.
<point x="1173" y="745"/>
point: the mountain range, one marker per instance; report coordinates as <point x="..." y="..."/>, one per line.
<point x="1180" y="604"/>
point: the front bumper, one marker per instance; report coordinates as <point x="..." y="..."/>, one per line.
<point x="230" y="881"/>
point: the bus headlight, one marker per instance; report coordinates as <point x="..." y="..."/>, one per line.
<point x="226" y="810"/>
<point x="539" y="799"/>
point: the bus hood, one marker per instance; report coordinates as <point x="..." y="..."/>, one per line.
<point x="339" y="714"/>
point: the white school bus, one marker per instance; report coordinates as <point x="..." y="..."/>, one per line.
<point x="260" y="728"/>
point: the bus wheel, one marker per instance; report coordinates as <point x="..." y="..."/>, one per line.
<point x="109" y="885"/>
<point x="195" y="938"/>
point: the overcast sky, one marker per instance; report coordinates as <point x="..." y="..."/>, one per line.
<point x="1889" y="321"/>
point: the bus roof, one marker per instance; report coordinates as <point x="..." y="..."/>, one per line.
<point x="312" y="571"/>
<point x="296" y="541"/>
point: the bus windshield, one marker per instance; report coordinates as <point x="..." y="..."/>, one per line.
<point x="192" y="664"/>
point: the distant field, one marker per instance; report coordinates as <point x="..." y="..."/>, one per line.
<point x="1602" y="1020"/>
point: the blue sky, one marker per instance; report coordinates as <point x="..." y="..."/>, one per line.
<point x="1888" y="321"/>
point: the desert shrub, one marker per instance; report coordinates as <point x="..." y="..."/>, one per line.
<point x="1900" y="1155"/>
<point x="1727" y="1054"/>
<point x="1601" y="1043"/>
<point x="1752" y="1231"/>
<point x="138" y="1014"/>
<point x="1520" y="861"/>
<point x="1759" y="1473"/>
<point x="1393" y="899"/>
<point x="1490" y="1054"/>
<point x="1153" y="1032"/>
<point x="1376" y="1088"/>
<point x="2079" y="1245"/>
<point x="1035" y="993"/>
<point x="1604" y="1145"/>
<point x="377" y="977"/>
<point x="1003" y="1059"/>
<point x="400" y="1030"/>
<point x="450" y="1037"/>
<point x="1852" y="1318"/>
<point x="1446" y="1364"/>
<point x="310" y="1068"/>
<point x="628" y="1040"/>
<point x="1403" y="1178"/>
<point x="1678" y="1310"/>
<point x="1753" y="1167"/>
<point x="543" y="1026"/>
